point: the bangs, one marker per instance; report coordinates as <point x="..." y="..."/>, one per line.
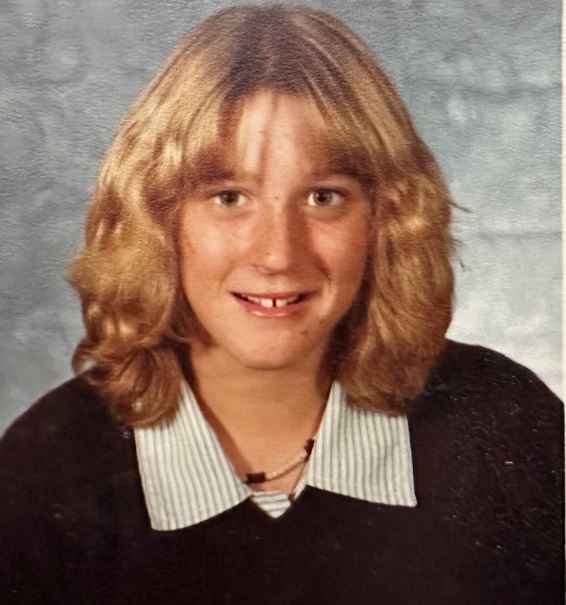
<point x="335" y="138"/>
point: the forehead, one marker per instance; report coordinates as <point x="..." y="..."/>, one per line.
<point x="275" y="131"/>
<point x="269" y="127"/>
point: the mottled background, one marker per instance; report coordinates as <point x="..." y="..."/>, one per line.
<point x="481" y="78"/>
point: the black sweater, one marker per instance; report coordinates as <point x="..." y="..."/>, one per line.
<point x="487" y="443"/>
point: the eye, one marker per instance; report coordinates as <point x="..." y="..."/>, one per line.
<point x="325" y="197"/>
<point x="229" y="198"/>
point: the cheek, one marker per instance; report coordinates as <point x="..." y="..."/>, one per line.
<point x="199" y="247"/>
<point x="196" y="265"/>
<point x="203" y="250"/>
<point x="347" y="257"/>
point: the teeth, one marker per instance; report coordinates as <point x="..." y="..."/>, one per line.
<point x="271" y="302"/>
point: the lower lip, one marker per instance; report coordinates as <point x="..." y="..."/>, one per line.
<point x="273" y="312"/>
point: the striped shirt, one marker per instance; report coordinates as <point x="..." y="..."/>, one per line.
<point x="187" y="479"/>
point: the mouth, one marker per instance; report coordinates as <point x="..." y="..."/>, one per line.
<point x="271" y="301"/>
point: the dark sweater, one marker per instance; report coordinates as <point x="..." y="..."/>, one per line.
<point x="487" y="443"/>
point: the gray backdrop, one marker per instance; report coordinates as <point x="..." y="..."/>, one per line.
<point x="481" y="78"/>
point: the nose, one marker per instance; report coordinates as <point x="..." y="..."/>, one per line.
<point x="279" y="241"/>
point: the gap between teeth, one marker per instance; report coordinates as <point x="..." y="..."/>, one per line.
<point x="271" y="302"/>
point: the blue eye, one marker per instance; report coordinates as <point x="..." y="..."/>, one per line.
<point x="325" y="197"/>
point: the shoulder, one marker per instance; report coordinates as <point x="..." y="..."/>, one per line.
<point x="59" y="407"/>
<point x="68" y="429"/>
<point x="469" y="379"/>
<point x="475" y="394"/>
<point x="486" y="429"/>
<point x="59" y="464"/>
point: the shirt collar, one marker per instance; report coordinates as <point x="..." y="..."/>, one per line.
<point x="362" y="454"/>
<point x="186" y="477"/>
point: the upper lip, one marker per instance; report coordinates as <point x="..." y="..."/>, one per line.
<point x="286" y="294"/>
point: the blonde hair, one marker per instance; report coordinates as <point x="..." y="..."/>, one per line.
<point x="138" y="322"/>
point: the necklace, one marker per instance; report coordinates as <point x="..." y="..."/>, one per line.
<point x="264" y="476"/>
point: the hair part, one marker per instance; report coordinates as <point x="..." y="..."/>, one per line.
<point x="138" y="323"/>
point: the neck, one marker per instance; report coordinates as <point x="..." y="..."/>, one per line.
<point x="256" y="401"/>
<point x="261" y="417"/>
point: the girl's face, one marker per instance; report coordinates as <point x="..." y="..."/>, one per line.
<point x="273" y="255"/>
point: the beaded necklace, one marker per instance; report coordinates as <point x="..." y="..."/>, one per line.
<point x="264" y="476"/>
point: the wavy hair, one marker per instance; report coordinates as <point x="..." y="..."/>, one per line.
<point x="137" y="320"/>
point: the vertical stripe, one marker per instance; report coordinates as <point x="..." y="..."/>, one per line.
<point x="353" y="436"/>
<point x="173" y="467"/>
<point x="355" y="460"/>
<point x="385" y="425"/>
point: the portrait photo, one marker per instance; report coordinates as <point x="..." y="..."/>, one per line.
<point x="281" y="302"/>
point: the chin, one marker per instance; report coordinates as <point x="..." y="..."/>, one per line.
<point x="272" y="360"/>
<point x="267" y="363"/>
